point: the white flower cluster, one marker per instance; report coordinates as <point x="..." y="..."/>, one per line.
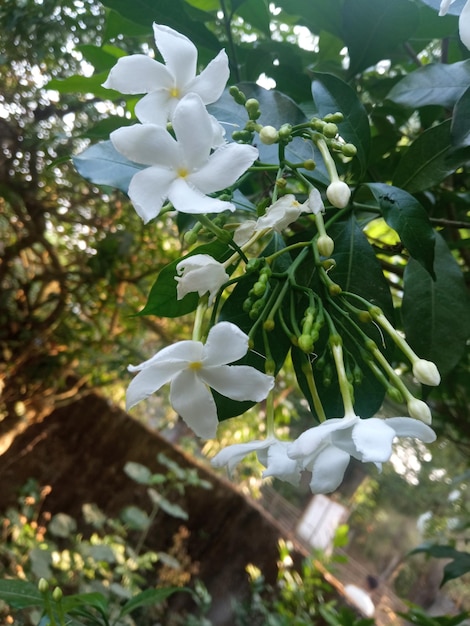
<point x="187" y="160"/>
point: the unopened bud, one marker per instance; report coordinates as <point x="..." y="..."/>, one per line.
<point x="237" y="95"/>
<point x="395" y="394"/>
<point x="325" y="245"/>
<point x="305" y="343"/>
<point x="310" y="165"/>
<point x="338" y="193"/>
<point x="330" y="130"/>
<point x="349" y="150"/>
<point x="269" y="325"/>
<point x="334" y="117"/>
<point x="57" y="594"/>
<point x="419" y="410"/>
<point x="426" y="372"/>
<point x="43" y="585"/>
<point x="285" y="132"/>
<point x="269" y="135"/>
<point x="252" y="107"/>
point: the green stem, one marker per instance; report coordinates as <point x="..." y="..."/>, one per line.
<point x="199" y="318"/>
<point x="312" y="387"/>
<point x="327" y="158"/>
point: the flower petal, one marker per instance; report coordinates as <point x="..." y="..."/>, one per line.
<point x="310" y="442"/>
<point x="280" y="214"/>
<point x="224" y="167"/>
<point x="201" y="273"/>
<point x="225" y="343"/>
<point x="244" y="232"/>
<point x="150" y="380"/>
<point x="182" y="351"/>
<point x="155" y="108"/>
<point x="373" y="440"/>
<point x="149" y="189"/>
<point x="238" y="382"/>
<point x="194" y="131"/>
<point x="445" y="4"/>
<point x="464" y="25"/>
<point x="194" y="403"/>
<point x="210" y="83"/>
<point x="179" y="53"/>
<point x="148" y="144"/>
<point x="186" y="198"/>
<point x="278" y="464"/>
<point x="328" y="470"/>
<point x="232" y="455"/>
<point x="138" y="73"/>
<point x="409" y="427"/>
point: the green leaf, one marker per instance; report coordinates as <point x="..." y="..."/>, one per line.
<point x="135" y="518"/>
<point x="407" y="217"/>
<point x="459" y="565"/>
<point x="460" y="127"/>
<point x="331" y="94"/>
<point x="102" y="164"/>
<point x="432" y="84"/>
<point x="436" y="314"/>
<point x="170" y="508"/>
<point x="20" y="594"/>
<point x="105" y="127"/>
<point x="276" y="109"/>
<point x="317" y="15"/>
<point x="150" y="597"/>
<point x="86" y="85"/>
<point x="205" y="5"/>
<point x="101" y="57"/>
<point x="256" y="13"/>
<point x="138" y="472"/>
<point x="162" y="300"/>
<point x="429" y="159"/>
<point x="94" y="600"/>
<point x="117" y="25"/>
<point x="375" y="30"/>
<point x="357" y="270"/>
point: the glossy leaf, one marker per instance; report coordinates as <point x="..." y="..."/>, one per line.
<point x="20" y="594"/>
<point x="331" y="94"/>
<point x="375" y="30"/>
<point x="256" y="13"/>
<point x="162" y="299"/>
<point x="459" y="564"/>
<point x="102" y="164"/>
<point x="460" y="128"/>
<point x="318" y="15"/>
<point x="432" y="84"/>
<point x="436" y="314"/>
<point x="407" y="217"/>
<point x="429" y="159"/>
<point x="86" y="85"/>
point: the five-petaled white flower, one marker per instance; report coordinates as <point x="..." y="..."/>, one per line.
<point x="279" y="215"/>
<point x="183" y="169"/>
<point x="326" y="449"/>
<point x="464" y="20"/>
<point x="201" y="273"/>
<point x="166" y="84"/>
<point x="271" y="452"/>
<point x="191" y="367"/>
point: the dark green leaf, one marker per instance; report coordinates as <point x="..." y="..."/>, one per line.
<point x="374" y="30"/>
<point x="459" y="565"/>
<point x="102" y="164"/>
<point x="162" y="300"/>
<point x="20" y="594"/>
<point x="318" y="15"/>
<point x="150" y="597"/>
<point x="101" y="57"/>
<point x="436" y="314"/>
<point x="432" y="84"/>
<point x="460" y="128"/>
<point x="331" y="94"/>
<point x="86" y="85"/>
<point x="256" y="13"/>
<point x="407" y="217"/>
<point x="117" y="25"/>
<point x="105" y="127"/>
<point x="94" y="600"/>
<point x="429" y="159"/>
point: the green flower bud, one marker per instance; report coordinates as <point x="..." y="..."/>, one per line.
<point x="334" y="117"/>
<point x="281" y="183"/>
<point x="259" y="288"/>
<point x="269" y="135"/>
<point x="253" y="265"/>
<point x="305" y="343"/>
<point x="309" y="165"/>
<point x="252" y="108"/>
<point x="285" y="132"/>
<point x="57" y="594"/>
<point x="269" y="325"/>
<point x="330" y="130"/>
<point x="43" y="585"/>
<point x="338" y="193"/>
<point x="242" y="135"/>
<point x="349" y="150"/>
<point x="237" y="95"/>
<point x="325" y="245"/>
<point x="248" y="305"/>
<point x="334" y="289"/>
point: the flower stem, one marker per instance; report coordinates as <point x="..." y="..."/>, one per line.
<point x="312" y="387"/>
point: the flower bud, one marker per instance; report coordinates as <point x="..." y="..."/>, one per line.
<point x="419" y="410"/>
<point x="237" y="95"/>
<point x="309" y="165"/>
<point x="330" y="130"/>
<point x="252" y="107"/>
<point x="57" y="594"/>
<point x="426" y="372"/>
<point x="285" y="132"/>
<point x="268" y="135"/>
<point x="338" y="193"/>
<point x="43" y="585"/>
<point x="349" y="150"/>
<point x="305" y="343"/>
<point x="325" y="245"/>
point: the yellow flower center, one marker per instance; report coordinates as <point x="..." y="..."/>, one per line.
<point x="174" y="92"/>
<point x="195" y="366"/>
<point x="182" y="172"/>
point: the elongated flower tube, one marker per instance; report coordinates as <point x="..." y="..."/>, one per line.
<point x="271" y="452"/>
<point x="464" y="20"/>
<point x="201" y="273"/>
<point x="183" y="170"/>
<point x="326" y="449"/>
<point x="166" y="84"/>
<point x="191" y="367"/>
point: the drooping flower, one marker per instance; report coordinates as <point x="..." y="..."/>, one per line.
<point x="279" y="215"/>
<point x="201" y="273"/>
<point x="271" y="452"/>
<point x="165" y="84"/>
<point x="191" y="367"/>
<point x="326" y="449"/>
<point x="464" y="20"/>
<point x="182" y="170"/>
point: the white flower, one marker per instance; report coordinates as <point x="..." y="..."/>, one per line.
<point x="201" y="273"/>
<point x="166" y="84"/>
<point x="464" y="20"/>
<point x="361" y="599"/>
<point x="271" y="452"/>
<point x="183" y="169"/>
<point x="426" y="372"/>
<point x="277" y="217"/>
<point x="191" y="367"/>
<point x="326" y="449"/>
